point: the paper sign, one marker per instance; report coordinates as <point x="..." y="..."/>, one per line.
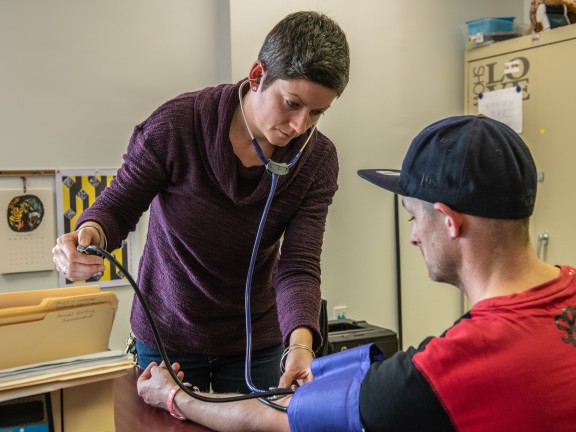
<point x="504" y="105"/>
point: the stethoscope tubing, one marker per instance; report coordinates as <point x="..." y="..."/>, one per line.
<point x="273" y="393"/>
<point x="247" y="297"/>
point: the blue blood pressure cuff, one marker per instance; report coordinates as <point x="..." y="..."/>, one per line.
<point x="331" y="401"/>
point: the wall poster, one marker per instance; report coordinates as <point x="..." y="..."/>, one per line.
<point x="76" y="190"/>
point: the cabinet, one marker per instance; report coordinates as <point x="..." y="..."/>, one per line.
<point x="544" y="66"/>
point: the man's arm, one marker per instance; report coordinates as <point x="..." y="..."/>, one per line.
<point x="155" y="384"/>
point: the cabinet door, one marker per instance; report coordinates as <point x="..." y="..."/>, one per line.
<point x="546" y="75"/>
<point x="510" y="69"/>
<point x="555" y="144"/>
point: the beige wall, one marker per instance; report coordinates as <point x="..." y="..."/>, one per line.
<point x="407" y="71"/>
<point x="77" y="76"/>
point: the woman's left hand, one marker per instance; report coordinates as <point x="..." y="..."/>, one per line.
<point x="297" y="368"/>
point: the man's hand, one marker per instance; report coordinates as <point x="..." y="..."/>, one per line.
<point x="155" y="383"/>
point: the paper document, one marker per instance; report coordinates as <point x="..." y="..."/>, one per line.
<point x="504" y="105"/>
<point x="64" y="369"/>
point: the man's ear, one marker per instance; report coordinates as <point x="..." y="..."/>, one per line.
<point x="452" y="219"/>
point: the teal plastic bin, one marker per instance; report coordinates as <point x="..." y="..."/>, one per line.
<point x="491" y="25"/>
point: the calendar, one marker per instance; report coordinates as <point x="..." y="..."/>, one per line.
<point x="27" y="230"/>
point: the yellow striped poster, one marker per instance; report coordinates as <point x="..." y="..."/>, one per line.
<point x="76" y="190"/>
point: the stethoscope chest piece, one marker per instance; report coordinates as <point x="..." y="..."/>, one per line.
<point x="279" y="168"/>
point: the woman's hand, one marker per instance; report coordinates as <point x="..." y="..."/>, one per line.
<point x="297" y="368"/>
<point x="297" y="359"/>
<point x="74" y="265"/>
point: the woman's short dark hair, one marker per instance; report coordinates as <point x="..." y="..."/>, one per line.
<point x="307" y="45"/>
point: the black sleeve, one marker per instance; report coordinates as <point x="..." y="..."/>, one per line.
<point x="395" y="396"/>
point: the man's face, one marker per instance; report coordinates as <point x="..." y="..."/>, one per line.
<point x="431" y="235"/>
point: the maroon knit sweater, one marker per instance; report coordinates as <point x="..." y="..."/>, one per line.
<point x="205" y="208"/>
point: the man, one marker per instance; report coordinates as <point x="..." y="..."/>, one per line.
<point x="509" y="364"/>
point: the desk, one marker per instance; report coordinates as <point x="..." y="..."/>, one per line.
<point x="131" y="413"/>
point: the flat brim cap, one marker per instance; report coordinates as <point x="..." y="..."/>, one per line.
<point x="388" y="179"/>
<point x="474" y="164"/>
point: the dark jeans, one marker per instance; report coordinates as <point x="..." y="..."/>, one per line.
<point x="222" y="374"/>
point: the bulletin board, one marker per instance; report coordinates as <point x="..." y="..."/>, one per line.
<point x="76" y="190"/>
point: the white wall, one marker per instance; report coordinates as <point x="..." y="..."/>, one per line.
<point x="407" y="71"/>
<point x="76" y="77"/>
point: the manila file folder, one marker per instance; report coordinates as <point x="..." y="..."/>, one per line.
<point x="44" y="325"/>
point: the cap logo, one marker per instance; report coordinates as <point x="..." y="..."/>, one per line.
<point x="426" y="180"/>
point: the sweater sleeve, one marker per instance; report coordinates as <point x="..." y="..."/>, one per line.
<point x="298" y="279"/>
<point x="143" y="173"/>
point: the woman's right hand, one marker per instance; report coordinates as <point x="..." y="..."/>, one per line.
<point x="74" y="265"/>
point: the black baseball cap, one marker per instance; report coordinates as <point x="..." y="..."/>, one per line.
<point x="472" y="163"/>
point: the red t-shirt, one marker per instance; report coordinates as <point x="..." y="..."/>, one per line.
<point x="507" y="365"/>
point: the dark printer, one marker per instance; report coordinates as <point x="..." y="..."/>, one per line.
<point x="347" y="333"/>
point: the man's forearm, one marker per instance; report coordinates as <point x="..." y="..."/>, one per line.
<point x="245" y="415"/>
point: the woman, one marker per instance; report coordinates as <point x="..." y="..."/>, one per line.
<point x="198" y="163"/>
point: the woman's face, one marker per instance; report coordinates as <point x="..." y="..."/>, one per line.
<point x="288" y="108"/>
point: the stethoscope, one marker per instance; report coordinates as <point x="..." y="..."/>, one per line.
<point x="267" y="397"/>
<point x="276" y="169"/>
